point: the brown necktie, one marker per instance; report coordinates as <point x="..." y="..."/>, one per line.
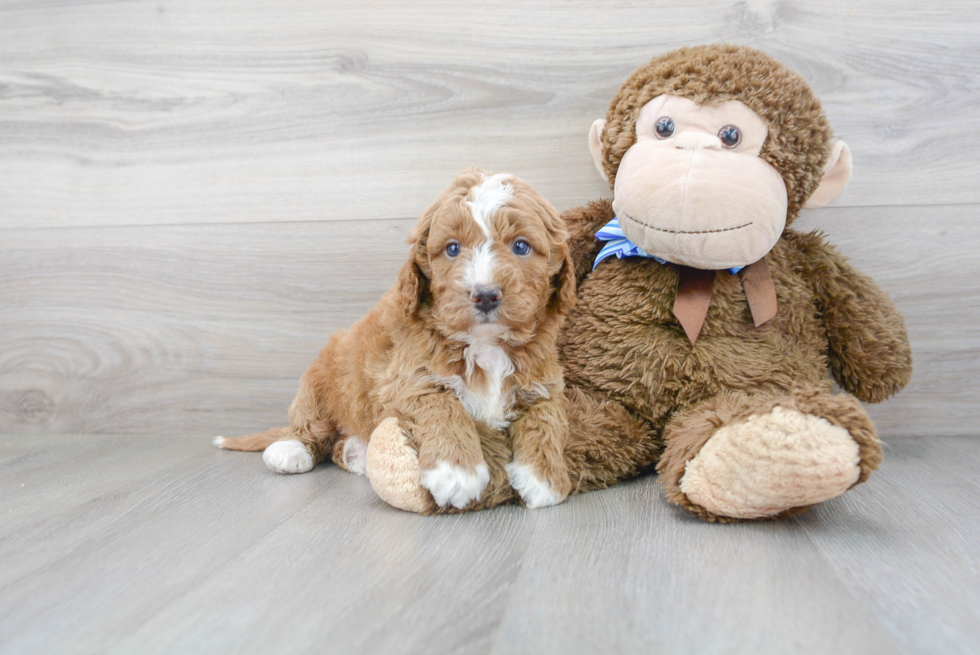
<point x="694" y="295"/>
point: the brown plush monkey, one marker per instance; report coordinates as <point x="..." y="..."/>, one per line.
<point x="705" y="328"/>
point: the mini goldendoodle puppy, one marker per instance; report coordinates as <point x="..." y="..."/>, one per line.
<point x="461" y="352"/>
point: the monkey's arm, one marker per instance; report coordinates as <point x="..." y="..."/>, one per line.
<point x="870" y="355"/>
<point x="583" y="222"/>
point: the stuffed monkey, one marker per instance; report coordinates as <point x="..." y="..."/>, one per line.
<point x="707" y="334"/>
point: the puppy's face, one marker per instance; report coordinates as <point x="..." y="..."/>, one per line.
<point x="495" y="260"/>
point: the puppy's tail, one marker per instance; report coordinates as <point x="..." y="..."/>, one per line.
<point x="257" y="441"/>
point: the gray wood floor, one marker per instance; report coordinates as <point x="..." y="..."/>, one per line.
<point x="163" y="544"/>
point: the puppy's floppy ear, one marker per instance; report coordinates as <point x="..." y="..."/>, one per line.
<point x="413" y="287"/>
<point x="564" y="283"/>
<point x="413" y="284"/>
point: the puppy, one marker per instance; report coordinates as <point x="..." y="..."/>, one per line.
<point x="463" y="344"/>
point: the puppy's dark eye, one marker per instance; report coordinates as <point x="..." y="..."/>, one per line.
<point x="665" y="127"/>
<point x="521" y="247"/>
<point x="730" y="136"/>
<point x="453" y="249"/>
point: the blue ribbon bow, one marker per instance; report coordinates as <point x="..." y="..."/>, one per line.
<point x="620" y="246"/>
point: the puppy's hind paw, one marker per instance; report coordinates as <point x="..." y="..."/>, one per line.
<point x="289" y="456"/>
<point x="452" y="485"/>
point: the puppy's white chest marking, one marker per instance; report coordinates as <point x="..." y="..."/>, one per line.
<point x="489" y="404"/>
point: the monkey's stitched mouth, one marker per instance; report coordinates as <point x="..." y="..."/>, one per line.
<point x="661" y="229"/>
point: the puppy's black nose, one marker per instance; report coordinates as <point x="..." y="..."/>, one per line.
<point x="485" y="297"/>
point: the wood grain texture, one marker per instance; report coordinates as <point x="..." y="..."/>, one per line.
<point x="927" y="496"/>
<point x="208" y="328"/>
<point x="163" y="544"/>
<point x="195" y="194"/>
<point x="162" y="112"/>
<point x="179" y="328"/>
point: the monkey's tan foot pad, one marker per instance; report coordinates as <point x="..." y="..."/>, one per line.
<point x="769" y="463"/>
<point x="393" y="468"/>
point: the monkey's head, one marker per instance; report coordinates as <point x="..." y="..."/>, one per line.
<point x="711" y="151"/>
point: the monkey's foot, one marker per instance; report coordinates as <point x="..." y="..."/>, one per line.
<point x="739" y="457"/>
<point x="393" y="469"/>
<point x="770" y="463"/>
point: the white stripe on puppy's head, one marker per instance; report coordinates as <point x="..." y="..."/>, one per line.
<point x="484" y="200"/>
<point x="487" y="197"/>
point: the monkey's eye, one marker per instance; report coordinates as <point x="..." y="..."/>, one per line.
<point x="665" y="127"/>
<point x="452" y="250"/>
<point x="730" y="136"/>
<point x="521" y="247"/>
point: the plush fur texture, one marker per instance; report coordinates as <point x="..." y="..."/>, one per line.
<point x="448" y="372"/>
<point x="622" y="344"/>
<point x="641" y="396"/>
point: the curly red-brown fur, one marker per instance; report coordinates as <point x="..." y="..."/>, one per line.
<point x="407" y="357"/>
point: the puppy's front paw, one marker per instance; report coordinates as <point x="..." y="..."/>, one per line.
<point x="289" y="456"/>
<point x="534" y="491"/>
<point x="452" y="485"/>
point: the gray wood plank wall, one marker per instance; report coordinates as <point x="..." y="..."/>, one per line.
<point x="194" y="194"/>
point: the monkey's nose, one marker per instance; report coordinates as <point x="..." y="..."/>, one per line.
<point x="486" y="297"/>
<point x="689" y="140"/>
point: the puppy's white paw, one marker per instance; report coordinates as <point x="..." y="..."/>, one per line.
<point x="533" y="490"/>
<point x="450" y="484"/>
<point x="219" y="442"/>
<point x="289" y="456"/>
<point x="355" y="455"/>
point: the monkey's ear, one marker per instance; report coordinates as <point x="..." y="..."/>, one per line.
<point x="836" y="175"/>
<point x="595" y="146"/>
